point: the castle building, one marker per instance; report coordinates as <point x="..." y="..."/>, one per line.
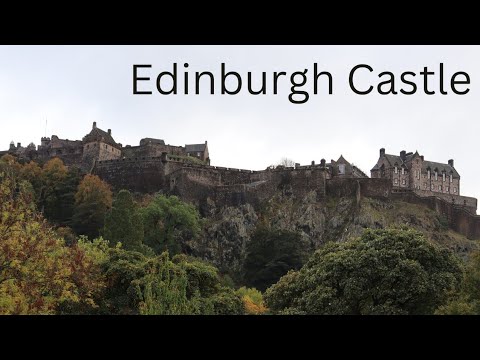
<point x="411" y="172"/>
<point x="99" y="145"/>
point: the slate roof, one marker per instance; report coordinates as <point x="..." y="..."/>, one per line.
<point x="99" y="135"/>
<point x="392" y="159"/>
<point x="195" y="147"/>
<point x="440" y="168"/>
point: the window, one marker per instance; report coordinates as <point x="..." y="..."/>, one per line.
<point x="198" y="154"/>
<point x="451" y="178"/>
<point x="436" y="175"/>
<point x="341" y="169"/>
<point x="428" y="174"/>
<point x="106" y="147"/>
<point x="403" y="171"/>
<point x="439" y="187"/>
<point x="443" y="177"/>
<point x="396" y="170"/>
<point x="425" y="186"/>
<point x="404" y="182"/>
<point x="447" y="188"/>
<point x="433" y="187"/>
<point x="395" y="181"/>
<point x="454" y="190"/>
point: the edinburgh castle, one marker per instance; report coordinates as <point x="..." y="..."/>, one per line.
<point x="154" y="166"/>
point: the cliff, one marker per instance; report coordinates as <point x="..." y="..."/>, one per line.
<point x="318" y="220"/>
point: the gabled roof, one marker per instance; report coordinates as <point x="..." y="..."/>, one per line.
<point x="195" y="147"/>
<point x="440" y="168"/>
<point x="396" y="159"/>
<point x="99" y="135"/>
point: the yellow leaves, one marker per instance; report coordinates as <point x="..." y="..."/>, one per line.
<point x="252" y="308"/>
<point x="92" y="188"/>
<point x="37" y="271"/>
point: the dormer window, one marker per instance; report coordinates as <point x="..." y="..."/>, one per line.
<point x="436" y="175"/>
<point x="403" y="171"/>
<point x="451" y="178"/>
<point x="396" y="170"/>
<point x="428" y="174"/>
<point x="444" y="177"/>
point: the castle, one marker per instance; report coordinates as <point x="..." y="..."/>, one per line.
<point x="99" y="145"/>
<point x="153" y="166"/>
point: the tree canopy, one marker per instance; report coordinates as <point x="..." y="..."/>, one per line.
<point x="392" y="271"/>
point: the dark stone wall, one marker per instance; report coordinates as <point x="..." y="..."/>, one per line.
<point x="375" y="188"/>
<point x="146" y="175"/>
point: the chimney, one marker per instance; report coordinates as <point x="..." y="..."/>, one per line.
<point x="450" y="162"/>
<point x="421" y="156"/>
<point x="94" y="125"/>
<point x="12" y="146"/>
<point x="403" y="155"/>
<point x="382" y="152"/>
<point x="19" y="145"/>
<point x="322" y="163"/>
<point x="109" y="131"/>
<point x="297" y="165"/>
<point x="205" y="142"/>
<point x="313" y="163"/>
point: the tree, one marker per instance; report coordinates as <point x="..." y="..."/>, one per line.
<point x="252" y="301"/>
<point x="92" y="200"/>
<point x="38" y="273"/>
<point x="467" y="300"/>
<point x="162" y="286"/>
<point x="287" y="162"/>
<point x="53" y="175"/>
<point x="392" y="271"/>
<point x="123" y="222"/>
<point x="168" y="222"/>
<point x="270" y="255"/>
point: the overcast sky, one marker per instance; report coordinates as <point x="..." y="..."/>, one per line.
<point x="72" y="86"/>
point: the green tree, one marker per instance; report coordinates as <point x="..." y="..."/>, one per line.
<point x="92" y="200"/>
<point x="270" y="255"/>
<point x="138" y="284"/>
<point x="168" y="222"/>
<point x="123" y="222"/>
<point x="467" y="300"/>
<point x="392" y="271"/>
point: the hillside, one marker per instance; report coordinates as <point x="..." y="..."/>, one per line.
<point x="229" y="229"/>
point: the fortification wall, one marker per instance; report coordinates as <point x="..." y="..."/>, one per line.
<point x="233" y="187"/>
<point x="147" y="175"/>
<point x="151" y="150"/>
<point x="466" y="201"/>
<point x="376" y="188"/>
<point x="460" y="218"/>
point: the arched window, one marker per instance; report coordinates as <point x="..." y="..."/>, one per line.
<point x="436" y="175"/>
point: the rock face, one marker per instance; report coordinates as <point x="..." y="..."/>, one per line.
<point x="228" y="228"/>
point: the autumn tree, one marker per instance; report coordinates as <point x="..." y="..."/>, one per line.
<point x="38" y="272"/>
<point x="168" y="222"/>
<point x="123" y="222"/>
<point x="388" y="271"/>
<point x="92" y="200"/>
